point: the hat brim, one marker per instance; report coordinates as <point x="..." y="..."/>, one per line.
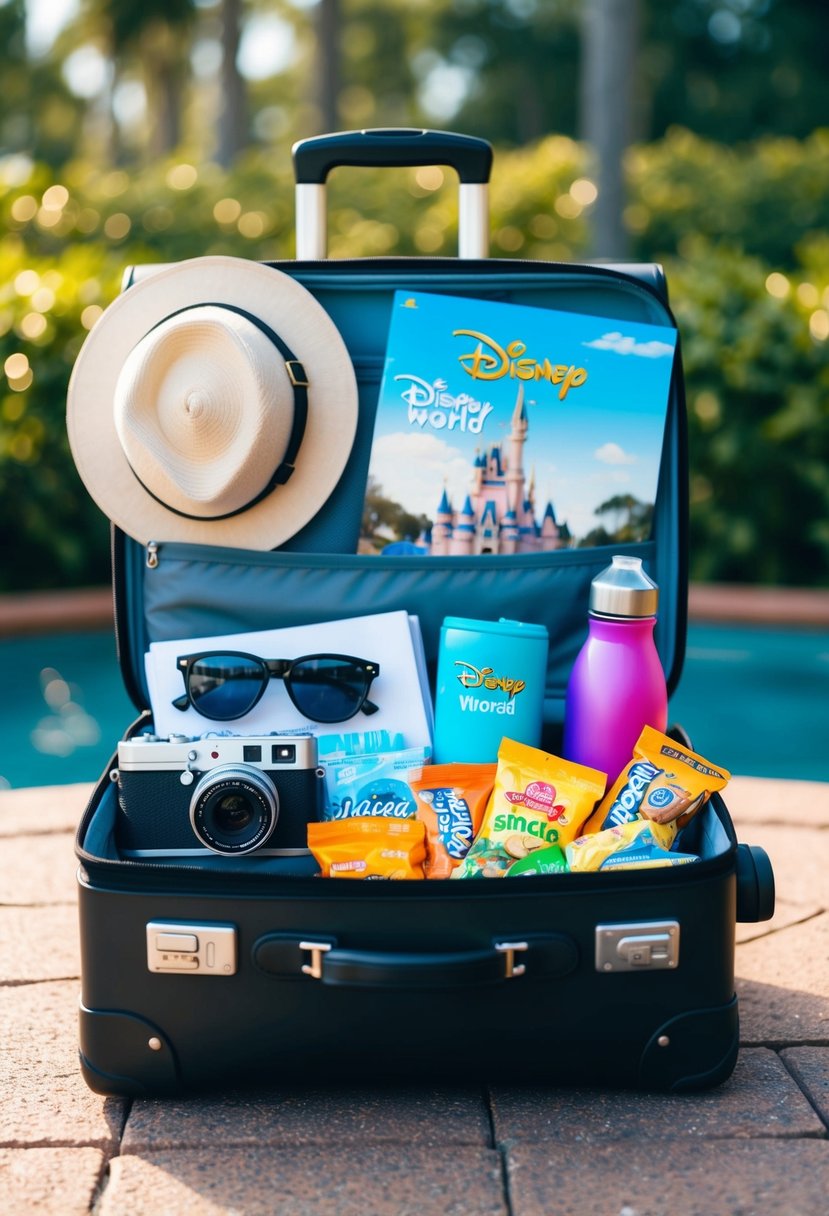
<point x="303" y="324"/>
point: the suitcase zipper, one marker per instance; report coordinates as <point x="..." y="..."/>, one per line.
<point x="472" y="269"/>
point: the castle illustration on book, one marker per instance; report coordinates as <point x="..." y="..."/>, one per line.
<point x="499" y="512"/>
<point x="487" y="410"/>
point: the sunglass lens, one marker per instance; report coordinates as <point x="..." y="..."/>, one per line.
<point x="328" y="689"/>
<point x="225" y="686"/>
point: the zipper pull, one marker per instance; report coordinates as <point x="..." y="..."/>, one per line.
<point x="152" y="554"/>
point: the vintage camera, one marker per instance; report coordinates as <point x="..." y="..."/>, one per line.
<point x="178" y="797"/>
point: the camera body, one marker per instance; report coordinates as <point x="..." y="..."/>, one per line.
<point x="231" y="795"/>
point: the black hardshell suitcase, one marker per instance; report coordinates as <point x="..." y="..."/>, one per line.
<point x="612" y="979"/>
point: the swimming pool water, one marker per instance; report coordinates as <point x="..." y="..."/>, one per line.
<point x="755" y="700"/>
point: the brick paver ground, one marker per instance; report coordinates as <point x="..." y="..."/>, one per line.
<point x="756" y="1146"/>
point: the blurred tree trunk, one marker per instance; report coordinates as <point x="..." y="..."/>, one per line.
<point x="610" y="36"/>
<point x="327" y="67"/>
<point x="163" y="53"/>
<point x="232" y="137"/>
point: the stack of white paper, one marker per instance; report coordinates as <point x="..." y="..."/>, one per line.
<point x="392" y="640"/>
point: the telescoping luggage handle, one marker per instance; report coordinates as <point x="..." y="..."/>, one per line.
<point x="394" y="147"/>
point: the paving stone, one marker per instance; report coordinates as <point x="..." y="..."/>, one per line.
<point x="810" y="1068"/>
<point x="38" y="944"/>
<point x="49" y="1181"/>
<point x="786" y="914"/>
<point x="783" y="985"/>
<point x="32" y="812"/>
<point x="312" y="1116"/>
<point x="338" y="1180"/>
<point x="759" y="1099"/>
<point x="758" y="800"/>
<point x="674" y="1178"/>
<point x="39" y="870"/>
<point x="46" y="1101"/>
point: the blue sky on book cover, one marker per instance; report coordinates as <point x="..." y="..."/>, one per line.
<point x="590" y="393"/>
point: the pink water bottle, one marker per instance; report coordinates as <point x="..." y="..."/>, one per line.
<point x="617" y="684"/>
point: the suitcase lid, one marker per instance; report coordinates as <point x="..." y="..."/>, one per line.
<point x="173" y="590"/>
<point x="357" y="294"/>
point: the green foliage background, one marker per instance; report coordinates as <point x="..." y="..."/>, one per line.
<point x="742" y="233"/>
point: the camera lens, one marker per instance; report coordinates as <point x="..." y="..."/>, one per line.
<point x="232" y="813"/>
<point x="234" y="809"/>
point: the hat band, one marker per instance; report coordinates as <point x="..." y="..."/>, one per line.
<point x="299" y="383"/>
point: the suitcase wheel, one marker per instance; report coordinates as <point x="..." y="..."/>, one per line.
<point x="755" y="884"/>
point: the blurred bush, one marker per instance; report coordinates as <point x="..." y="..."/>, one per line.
<point x="742" y="233"/>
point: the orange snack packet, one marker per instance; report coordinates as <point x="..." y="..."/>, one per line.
<point x="451" y="800"/>
<point x="368" y="847"/>
<point x="664" y="782"/>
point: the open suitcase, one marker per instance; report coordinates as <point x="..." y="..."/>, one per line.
<point x="622" y="979"/>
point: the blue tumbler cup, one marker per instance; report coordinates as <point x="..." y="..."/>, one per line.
<point x="490" y="684"/>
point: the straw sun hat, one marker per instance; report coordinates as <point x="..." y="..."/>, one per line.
<point x="215" y="402"/>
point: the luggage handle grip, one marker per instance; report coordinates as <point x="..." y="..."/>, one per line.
<point x="373" y="969"/>
<point x="392" y="147"/>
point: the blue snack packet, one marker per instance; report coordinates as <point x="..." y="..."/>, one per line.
<point x="373" y="785"/>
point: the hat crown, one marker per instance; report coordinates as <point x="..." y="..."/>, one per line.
<point x="203" y="409"/>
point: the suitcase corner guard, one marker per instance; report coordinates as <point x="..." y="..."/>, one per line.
<point x="323" y="959"/>
<point x="695" y="1050"/>
<point x="124" y="1054"/>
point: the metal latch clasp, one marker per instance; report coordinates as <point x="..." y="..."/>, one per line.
<point x="647" y="946"/>
<point x="317" y="949"/>
<point x="510" y="949"/>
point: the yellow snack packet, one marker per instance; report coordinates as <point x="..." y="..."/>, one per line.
<point x="368" y="847"/>
<point x="664" y="782"/>
<point x="451" y="799"/>
<point x="637" y="845"/>
<point x="538" y="800"/>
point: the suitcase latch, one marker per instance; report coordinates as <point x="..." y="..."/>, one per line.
<point x="191" y="948"/>
<point x="647" y="946"/>
<point x="317" y="949"/>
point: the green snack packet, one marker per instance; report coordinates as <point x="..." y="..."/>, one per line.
<point x="542" y="861"/>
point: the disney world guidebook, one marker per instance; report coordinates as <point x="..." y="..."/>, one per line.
<point x="507" y="429"/>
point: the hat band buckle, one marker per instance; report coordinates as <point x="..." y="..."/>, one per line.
<point x="298" y="378"/>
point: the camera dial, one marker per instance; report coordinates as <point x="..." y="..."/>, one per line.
<point x="234" y="809"/>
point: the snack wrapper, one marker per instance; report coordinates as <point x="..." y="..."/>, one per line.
<point x="550" y="860"/>
<point x="451" y="800"/>
<point x="368" y="847"/>
<point x="664" y="782"/>
<point x="637" y="845"/>
<point x="360" y="786"/>
<point x="538" y="800"/>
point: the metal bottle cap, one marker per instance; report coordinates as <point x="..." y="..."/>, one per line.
<point x="624" y="590"/>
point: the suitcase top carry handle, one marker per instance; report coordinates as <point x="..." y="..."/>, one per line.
<point x="393" y="147"/>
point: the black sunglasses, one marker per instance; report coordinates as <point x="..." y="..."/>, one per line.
<point x="226" y="684"/>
